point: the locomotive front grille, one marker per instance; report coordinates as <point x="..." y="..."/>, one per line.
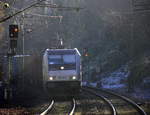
<point x="56" y="67"/>
<point x="63" y="84"/>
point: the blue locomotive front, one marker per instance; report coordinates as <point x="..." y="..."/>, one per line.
<point x="62" y="70"/>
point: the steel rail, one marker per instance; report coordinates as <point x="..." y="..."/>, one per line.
<point x="114" y="112"/>
<point x="73" y="108"/>
<point x="138" y="108"/>
<point x="48" y="109"/>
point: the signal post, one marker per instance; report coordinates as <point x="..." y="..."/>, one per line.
<point x="13" y="35"/>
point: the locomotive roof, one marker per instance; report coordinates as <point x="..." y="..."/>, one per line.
<point x="63" y="51"/>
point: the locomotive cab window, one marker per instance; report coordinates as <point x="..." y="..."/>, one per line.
<point x="67" y="61"/>
<point x="55" y="59"/>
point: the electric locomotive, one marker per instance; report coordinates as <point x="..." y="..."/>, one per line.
<point x="62" y="70"/>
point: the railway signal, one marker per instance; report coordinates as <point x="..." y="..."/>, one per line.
<point x="13" y="34"/>
<point x="13" y="31"/>
<point x="85" y="52"/>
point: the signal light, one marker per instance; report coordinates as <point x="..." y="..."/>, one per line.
<point x="13" y="31"/>
<point x="86" y="54"/>
<point x="16" y="30"/>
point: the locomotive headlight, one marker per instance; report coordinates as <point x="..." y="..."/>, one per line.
<point x="51" y="78"/>
<point x="62" y="68"/>
<point x="73" y="77"/>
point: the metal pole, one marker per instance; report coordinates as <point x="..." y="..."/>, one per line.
<point x="23" y="50"/>
<point x="8" y="90"/>
<point x="89" y="78"/>
<point x="10" y="77"/>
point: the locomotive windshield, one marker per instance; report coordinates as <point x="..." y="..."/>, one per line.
<point x="68" y="61"/>
<point x="54" y="59"/>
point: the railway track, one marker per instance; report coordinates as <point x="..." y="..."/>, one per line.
<point x="90" y="104"/>
<point x="48" y="109"/>
<point x="93" y="101"/>
<point x="60" y="108"/>
<point x="120" y="105"/>
<point x="106" y="108"/>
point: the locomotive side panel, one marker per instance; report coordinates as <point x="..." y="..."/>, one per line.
<point x="45" y="68"/>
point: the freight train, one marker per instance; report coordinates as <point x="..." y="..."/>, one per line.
<point x="62" y="71"/>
